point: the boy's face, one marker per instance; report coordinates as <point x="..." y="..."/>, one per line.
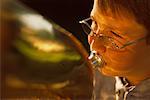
<point x="128" y="60"/>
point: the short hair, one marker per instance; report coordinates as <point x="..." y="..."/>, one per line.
<point x="139" y="8"/>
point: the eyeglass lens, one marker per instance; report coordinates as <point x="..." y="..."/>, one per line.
<point x="87" y="26"/>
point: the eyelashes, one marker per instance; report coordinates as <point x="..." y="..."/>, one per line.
<point x="116" y="34"/>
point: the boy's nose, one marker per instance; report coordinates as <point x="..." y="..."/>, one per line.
<point x="96" y="44"/>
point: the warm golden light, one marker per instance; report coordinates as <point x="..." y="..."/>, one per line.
<point x="36" y="21"/>
<point x="46" y="45"/>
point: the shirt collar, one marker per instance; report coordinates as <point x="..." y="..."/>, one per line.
<point x="122" y="88"/>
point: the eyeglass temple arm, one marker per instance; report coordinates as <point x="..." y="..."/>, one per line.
<point x="84" y="22"/>
<point x="132" y="42"/>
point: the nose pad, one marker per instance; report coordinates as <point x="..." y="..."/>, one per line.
<point x="90" y="39"/>
<point x="97" y="45"/>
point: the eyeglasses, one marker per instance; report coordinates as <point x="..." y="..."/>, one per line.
<point x="108" y="41"/>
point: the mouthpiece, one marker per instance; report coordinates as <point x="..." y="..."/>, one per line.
<point x="96" y="61"/>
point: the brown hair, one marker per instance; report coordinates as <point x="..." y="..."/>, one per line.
<point x="139" y="8"/>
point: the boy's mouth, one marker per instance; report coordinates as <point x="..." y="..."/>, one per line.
<point x="96" y="60"/>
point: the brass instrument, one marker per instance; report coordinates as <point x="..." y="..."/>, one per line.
<point x="39" y="59"/>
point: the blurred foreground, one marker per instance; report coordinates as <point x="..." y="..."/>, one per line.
<point x="39" y="59"/>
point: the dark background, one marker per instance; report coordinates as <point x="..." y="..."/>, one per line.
<point x="66" y="13"/>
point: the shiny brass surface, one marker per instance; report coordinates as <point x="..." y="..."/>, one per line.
<point x="39" y="59"/>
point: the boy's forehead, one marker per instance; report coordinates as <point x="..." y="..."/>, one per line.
<point x="110" y="17"/>
<point x="123" y="24"/>
<point x="121" y="21"/>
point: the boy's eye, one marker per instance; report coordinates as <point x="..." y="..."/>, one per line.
<point x="117" y="35"/>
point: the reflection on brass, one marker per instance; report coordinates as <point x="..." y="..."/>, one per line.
<point x="39" y="59"/>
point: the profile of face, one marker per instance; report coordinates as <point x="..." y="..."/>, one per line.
<point x="123" y="28"/>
